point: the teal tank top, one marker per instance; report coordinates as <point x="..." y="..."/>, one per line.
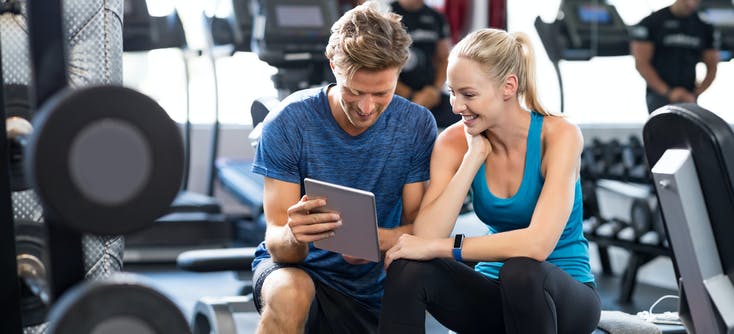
<point x="571" y="254"/>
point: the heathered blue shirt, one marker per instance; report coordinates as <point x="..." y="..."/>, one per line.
<point x="571" y="254"/>
<point x="304" y="140"/>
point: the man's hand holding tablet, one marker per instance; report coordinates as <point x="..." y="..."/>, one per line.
<point x="309" y="223"/>
<point x="357" y="238"/>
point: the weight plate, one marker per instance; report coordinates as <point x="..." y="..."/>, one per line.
<point x="104" y="160"/>
<point x="30" y="246"/>
<point x="120" y="304"/>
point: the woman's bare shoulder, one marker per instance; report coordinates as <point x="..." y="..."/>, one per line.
<point x="452" y="138"/>
<point x="559" y="130"/>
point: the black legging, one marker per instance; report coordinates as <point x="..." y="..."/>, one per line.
<point x="530" y="297"/>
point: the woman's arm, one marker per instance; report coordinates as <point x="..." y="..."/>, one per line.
<point x="453" y="166"/>
<point x="562" y="145"/>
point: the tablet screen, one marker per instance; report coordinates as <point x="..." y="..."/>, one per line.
<point x="357" y="236"/>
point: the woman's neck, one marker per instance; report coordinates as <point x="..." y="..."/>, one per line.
<point x="511" y="131"/>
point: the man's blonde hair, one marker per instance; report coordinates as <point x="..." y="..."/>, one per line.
<point x="370" y="38"/>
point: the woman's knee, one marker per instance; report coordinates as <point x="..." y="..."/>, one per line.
<point x="406" y="268"/>
<point x="520" y="268"/>
<point x="407" y="274"/>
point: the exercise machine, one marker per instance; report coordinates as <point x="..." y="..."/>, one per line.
<point x="291" y="35"/>
<point x="92" y="160"/>
<point x="694" y="178"/>
<point x="194" y="220"/>
<point x="583" y="29"/>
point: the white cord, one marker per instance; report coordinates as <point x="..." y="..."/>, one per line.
<point x="661" y="299"/>
<point x="660" y="318"/>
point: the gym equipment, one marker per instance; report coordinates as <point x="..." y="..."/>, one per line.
<point x="143" y="32"/>
<point x="234" y="174"/>
<point x="127" y="127"/>
<point x="230" y="23"/>
<point x="118" y="156"/>
<point x="10" y="295"/>
<point x="197" y="219"/>
<point x="94" y="54"/>
<point x="292" y="35"/>
<point x="720" y="13"/>
<point x="583" y="29"/>
<point x="216" y="315"/>
<point x="693" y="173"/>
<point x="620" y="208"/>
<point x="33" y="263"/>
<point x="107" y="159"/>
<point x="633" y="158"/>
<point x="18" y="130"/>
<point x="123" y="303"/>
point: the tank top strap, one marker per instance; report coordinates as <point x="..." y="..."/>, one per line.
<point x="534" y="143"/>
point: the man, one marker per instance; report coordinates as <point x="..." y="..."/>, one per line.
<point x="355" y="133"/>
<point x="667" y="45"/>
<point x="423" y="77"/>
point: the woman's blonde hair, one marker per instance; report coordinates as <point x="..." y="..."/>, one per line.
<point x="502" y="54"/>
<point x="368" y="37"/>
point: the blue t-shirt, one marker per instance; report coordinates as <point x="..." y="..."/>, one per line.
<point x="304" y="140"/>
<point x="571" y="253"/>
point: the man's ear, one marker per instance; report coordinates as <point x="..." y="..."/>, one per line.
<point x="509" y="86"/>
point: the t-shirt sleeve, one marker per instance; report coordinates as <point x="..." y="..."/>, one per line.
<point x="277" y="152"/>
<point x="712" y="38"/>
<point x="425" y="137"/>
<point x="444" y="30"/>
<point x="643" y="31"/>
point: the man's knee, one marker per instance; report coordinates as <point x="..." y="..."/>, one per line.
<point x="288" y="290"/>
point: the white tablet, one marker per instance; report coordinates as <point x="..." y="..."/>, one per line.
<point x="358" y="234"/>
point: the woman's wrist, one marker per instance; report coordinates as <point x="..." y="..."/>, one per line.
<point x="441" y="248"/>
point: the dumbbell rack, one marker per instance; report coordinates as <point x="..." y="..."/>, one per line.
<point x="639" y="255"/>
<point x="619" y="171"/>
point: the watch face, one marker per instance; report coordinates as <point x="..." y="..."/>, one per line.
<point x="458" y="240"/>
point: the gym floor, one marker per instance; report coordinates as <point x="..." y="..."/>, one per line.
<point x="185" y="288"/>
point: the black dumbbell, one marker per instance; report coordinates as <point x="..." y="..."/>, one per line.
<point x="595" y="160"/>
<point x="18" y="112"/>
<point x="640" y="217"/>
<point x="32" y="260"/>
<point x="615" y="169"/>
<point x="589" y="200"/>
<point x="18" y="130"/>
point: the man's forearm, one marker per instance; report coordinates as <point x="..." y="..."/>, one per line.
<point x="652" y="79"/>
<point x="389" y="236"/>
<point x="283" y="247"/>
<point x="706" y="83"/>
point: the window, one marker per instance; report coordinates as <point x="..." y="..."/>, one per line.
<point x="606" y="89"/>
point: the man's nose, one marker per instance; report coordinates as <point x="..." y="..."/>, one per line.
<point x="367" y="104"/>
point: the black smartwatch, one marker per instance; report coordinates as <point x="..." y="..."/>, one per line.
<point x="458" y="242"/>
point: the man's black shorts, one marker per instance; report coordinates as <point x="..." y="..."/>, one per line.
<point x="331" y="310"/>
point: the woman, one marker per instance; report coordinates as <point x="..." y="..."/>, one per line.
<point x="533" y="273"/>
